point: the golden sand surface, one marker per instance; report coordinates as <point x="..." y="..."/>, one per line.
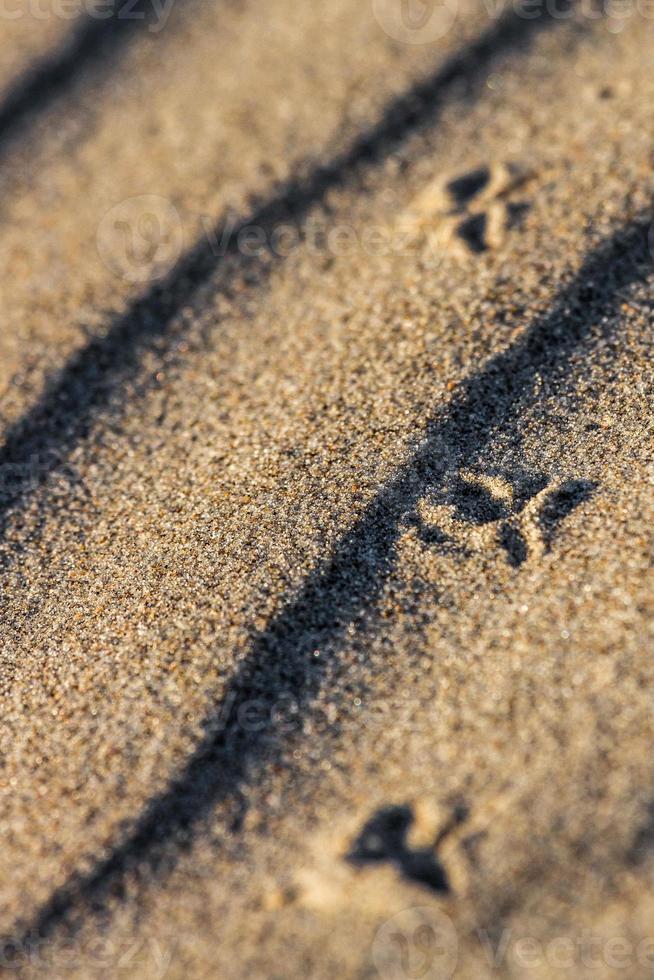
<point x="327" y="472"/>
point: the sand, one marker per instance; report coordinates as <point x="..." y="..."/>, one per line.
<point x="327" y="570"/>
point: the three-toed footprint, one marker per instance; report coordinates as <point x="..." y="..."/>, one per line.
<point x="476" y="511"/>
<point x="472" y="211"/>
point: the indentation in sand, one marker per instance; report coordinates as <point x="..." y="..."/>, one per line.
<point x="470" y="212"/>
<point x="477" y="511"/>
<point x="375" y="861"/>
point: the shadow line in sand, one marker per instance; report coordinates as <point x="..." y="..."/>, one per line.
<point x="93" y="43"/>
<point x="92" y="381"/>
<point x="280" y="671"/>
<point x="336" y="594"/>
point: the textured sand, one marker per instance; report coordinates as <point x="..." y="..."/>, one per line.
<point x="295" y="539"/>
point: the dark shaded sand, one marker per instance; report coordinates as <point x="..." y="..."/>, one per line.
<point x="327" y="579"/>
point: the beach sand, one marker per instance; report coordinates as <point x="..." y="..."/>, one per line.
<point x="326" y="525"/>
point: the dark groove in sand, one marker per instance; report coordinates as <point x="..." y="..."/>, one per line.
<point x="334" y="595"/>
<point x="279" y="668"/>
<point x="91" y="381"/>
<point x="92" y="44"/>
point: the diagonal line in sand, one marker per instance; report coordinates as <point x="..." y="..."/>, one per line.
<point x="279" y="667"/>
<point x="93" y="379"/>
<point x="92" y="44"/>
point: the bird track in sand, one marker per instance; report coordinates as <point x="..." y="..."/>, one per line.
<point x="477" y="511"/>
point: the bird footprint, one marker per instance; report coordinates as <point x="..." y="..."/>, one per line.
<point x="478" y="511"/>
<point x="472" y="209"/>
